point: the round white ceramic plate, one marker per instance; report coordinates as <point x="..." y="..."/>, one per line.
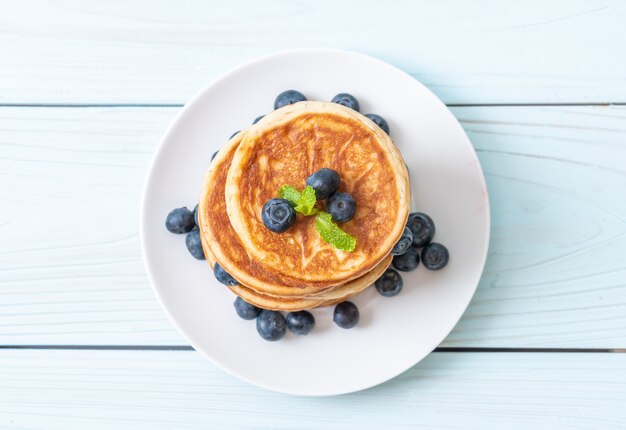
<point x="393" y="333"/>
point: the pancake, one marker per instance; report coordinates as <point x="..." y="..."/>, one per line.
<point x="287" y="146"/>
<point x="222" y="241"/>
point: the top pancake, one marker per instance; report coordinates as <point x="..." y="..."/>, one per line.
<point x="286" y="147"/>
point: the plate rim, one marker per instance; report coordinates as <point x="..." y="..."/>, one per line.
<point x="157" y="155"/>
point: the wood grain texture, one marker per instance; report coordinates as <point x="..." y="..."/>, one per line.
<point x="484" y="51"/>
<point x="71" y="269"/>
<point x="67" y="390"/>
<point x="556" y="273"/>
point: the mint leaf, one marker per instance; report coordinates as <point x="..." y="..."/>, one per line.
<point x="306" y="202"/>
<point x="332" y="234"/>
<point x="289" y="193"/>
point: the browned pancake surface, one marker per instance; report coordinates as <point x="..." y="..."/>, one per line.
<point x="284" y="149"/>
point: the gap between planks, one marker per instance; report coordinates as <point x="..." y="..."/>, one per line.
<point x="179" y="105"/>
<point x="190" y="348"/>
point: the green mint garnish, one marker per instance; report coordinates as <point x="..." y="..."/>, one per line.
<point x="332" y="234"/>
<point x="303" y="202"/>
<point x="289" y="193"/>
<point x="306" y="202"/>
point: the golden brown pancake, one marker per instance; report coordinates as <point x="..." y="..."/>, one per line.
<point x="287" y="146"/>
<point x="222" y="244"/>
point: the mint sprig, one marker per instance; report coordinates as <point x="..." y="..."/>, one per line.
<point x="303" y="202"/>
<point x="306" y="202"/>
<point x="332" y="234"/>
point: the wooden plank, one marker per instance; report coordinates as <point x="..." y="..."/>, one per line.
<point x="484" y="51"/>
<point x="556" y="272"/>
<point x="163" y="390"/>
<point x="70" y="183"/>
<point x="71" y="270"/>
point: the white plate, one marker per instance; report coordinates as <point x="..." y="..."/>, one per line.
<point x="393" y="333"/>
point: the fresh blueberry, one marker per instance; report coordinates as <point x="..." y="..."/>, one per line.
<point x="214" y="155"/>
<point x="257" y="119"/>
<point x="435" y="256"/>
<point x="407" y="261"/>
<point x="194" y="244"/>
<point x="346" y="315"/>
<point x="195" y="215"/>
<point x="234" y="134"/>
<point x="347" y="100"/>
<point x="245" y="310"/>
<point x="341" y="206"/>
<point x="288" y="97"/>
<point x="389" y="284"/>
<point x="180" y="221"/>
<point x="300" y="323"/>
<point x="422" y="227"/>
<point x="403" y="244"/>
<point x="278" y="215"/>
<point x="271" y="325"/>
<point x="223" y="276"/>
<point x="379" y="121"/>
<point x="324" y="182"/>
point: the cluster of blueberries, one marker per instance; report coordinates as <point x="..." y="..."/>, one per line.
<point x="184" y="221"/>
<point x="418" y="234"/>
<point x="272" y="325"/>
<point x="278" y="215"/>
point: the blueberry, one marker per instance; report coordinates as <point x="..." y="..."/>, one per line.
<point x="341" y="206"/>
<point x="180" y="221"/>
<point x="407" y="261"/>
<point x="271" y="325"/>
<point x="288" y="97"/>
<point x="257" y="119"/>
<point x="403" y="244"/>
<point x="195" y="215"/>
<point x="234" y="134"/>
<point x="324" y="182"/>
<point x="194" y="244"/>
<point x="422" y="227"/>
<point x="223" y="276"/>
<point x="435" y="256"/>
<point x="389" y="284"/>
<point x="346" y="315"/>
<point x="300" y="323"/>
<point x="379" y="121"/>
<point x="347" y="100"/>
<point x="278" y="215"/>
<point x="245" y="310"/>
<point x="214" y="155"/>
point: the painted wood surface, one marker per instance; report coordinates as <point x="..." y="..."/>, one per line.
<point x="483" y="51"/>
<point x="65" y="390"/>
<point x="71" y="269"/>
<point x="70" y="179"/>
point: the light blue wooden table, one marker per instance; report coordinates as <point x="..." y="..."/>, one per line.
<point x="88" y="88"/>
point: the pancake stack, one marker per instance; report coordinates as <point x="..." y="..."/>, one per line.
<point x="297" y="269"/>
